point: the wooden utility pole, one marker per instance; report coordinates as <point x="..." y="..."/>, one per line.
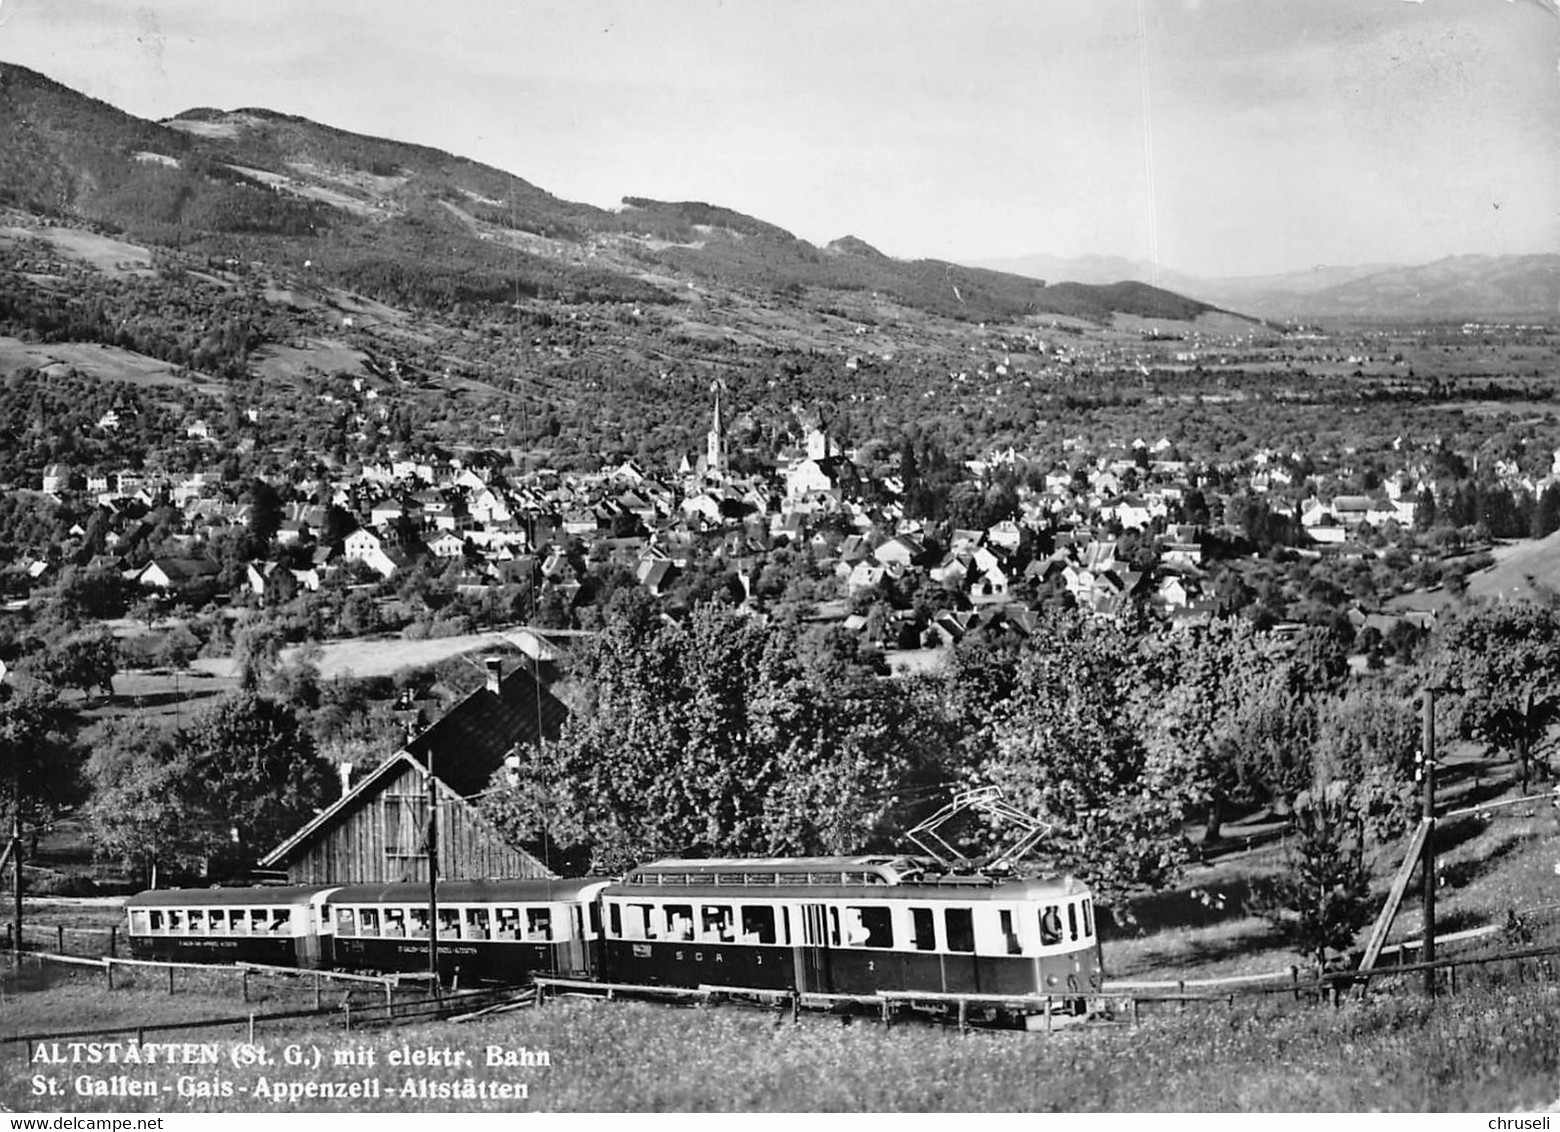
<point x="433" y="875"/>
<point x="13" y="851"/>
<point x="1427" y="769"/>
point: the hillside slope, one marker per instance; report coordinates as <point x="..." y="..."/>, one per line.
<point x="412" y="224"/>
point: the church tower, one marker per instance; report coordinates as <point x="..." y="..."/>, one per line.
<point x="715" y="445"/>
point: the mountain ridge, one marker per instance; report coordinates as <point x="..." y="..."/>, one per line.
<point x="403" y="221"/>
<point x="1452" y="287"/>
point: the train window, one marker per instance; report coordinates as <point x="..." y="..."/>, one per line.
<point x="508" y="923"/>
<point x="368" y="921"/>
<point x="1009" y="936"/>
<point x="679" y="921"/>
<point x="175" y="920"/>
<point x="959" y="926"/>
<point x="417" y="923"/>
<point x="139" y="923"/>
<point x="156" y="920"/>
<point x="636" y="921"/>
<point x="395" y="922"/>
<point x="834" y="927"/>
<point x="281" y="920"/>
<point x="1072" y="921"/>
<point x="615" y="921"/>
<point x="238" y="923"/>
<point x="785" y="925"/>
<point x="869" y="927"/>
<point x="197" y="921"/>
<point x="716" y="923"/>
<point x="1050" y="926"/>
<point x="449" y="923"/>
<point x="923" y="933"/>
<point x="476" y="923"/>
<point x="346" y="922"/>
<point x="538" y="924"/>
<point x="758" y="924"/>
<point x="257" y="921"/>
<point x="1088" y="918"/>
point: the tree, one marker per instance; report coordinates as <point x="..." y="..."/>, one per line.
<point x="1065" y="749"/>
<point x="1367" y="738"/>
<point x="82" y="660"/>
<point x="1323" y="899"/>
<point x="1206" y="700"/>
<point x="39" y="766"/>
<point x="1504" y="664"/>
<point x="716" y="737"/>
<point x="265" y="511"/>
<point x="147" y="810"/>
<point x="257" y="769"/>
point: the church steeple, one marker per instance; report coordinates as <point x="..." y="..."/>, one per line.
<point x="715" y="445"/>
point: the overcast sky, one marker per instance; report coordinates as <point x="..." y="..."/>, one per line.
<point x="1222" y="136"/>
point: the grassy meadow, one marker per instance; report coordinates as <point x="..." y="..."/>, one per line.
<point x="1494" y="1048"/>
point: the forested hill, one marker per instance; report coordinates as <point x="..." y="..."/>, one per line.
<point x="412" y="224"/>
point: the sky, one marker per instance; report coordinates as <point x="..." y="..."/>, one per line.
<point x="1217" y="137"/>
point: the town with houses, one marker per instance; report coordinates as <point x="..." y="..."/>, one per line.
<point x="1119" y="527"/>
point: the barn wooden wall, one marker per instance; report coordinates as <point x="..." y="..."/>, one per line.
<point x="354" y="849"/>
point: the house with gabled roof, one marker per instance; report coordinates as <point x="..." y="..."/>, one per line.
<point x="377" y="831"/>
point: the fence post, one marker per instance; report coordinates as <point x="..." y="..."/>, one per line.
<point x="316" y="990"/>
<point x="170" y="978"/>
<point x="1180" y="992"/>
<point x="1294" y="980"/>
<point x="113" y="941"/>
<point x="244" y="980"/>
<point x="1134" y="1013"/>
<point x="347" y="1006"/>
<point x="59" y="939"/>
<point x="389" y="999"/>
<point x="108" y="969"/>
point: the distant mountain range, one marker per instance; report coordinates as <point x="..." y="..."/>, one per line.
<point x="408" y="224"/>
<point x="1469" y="286"/>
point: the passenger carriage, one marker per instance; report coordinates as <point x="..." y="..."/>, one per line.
<point x="849" y="925"/>
<point x="499" y="931"/>
<point x="280" y="926"/>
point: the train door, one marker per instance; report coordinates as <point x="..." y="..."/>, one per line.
<point x="309" y="925"/>
<point x="577" y="942"/>
<point x="811" y="950"/>
<point x="961" y="968"/>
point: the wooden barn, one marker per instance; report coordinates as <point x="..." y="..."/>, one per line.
<point x="377" y="830"/>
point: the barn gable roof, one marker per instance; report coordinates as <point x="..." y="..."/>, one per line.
<point x="470" y="741"/>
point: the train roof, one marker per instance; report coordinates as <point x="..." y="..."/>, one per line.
<point x="516" y="891"/>
<point x="833" y="872"/>
<point x="268" y="896"/>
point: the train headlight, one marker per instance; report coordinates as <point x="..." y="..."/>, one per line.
<point x="1050" y="981"/>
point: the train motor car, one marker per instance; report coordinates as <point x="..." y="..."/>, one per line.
<point x="850" y="926"/>
<point x="279" y="926"/>
<point x="491" y="931"/>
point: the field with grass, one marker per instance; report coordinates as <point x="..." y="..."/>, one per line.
<point x="1492" y="1048"/>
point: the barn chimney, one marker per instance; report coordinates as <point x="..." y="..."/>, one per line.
<point x="345" y="770"/>
<point x="495" y="673"/>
